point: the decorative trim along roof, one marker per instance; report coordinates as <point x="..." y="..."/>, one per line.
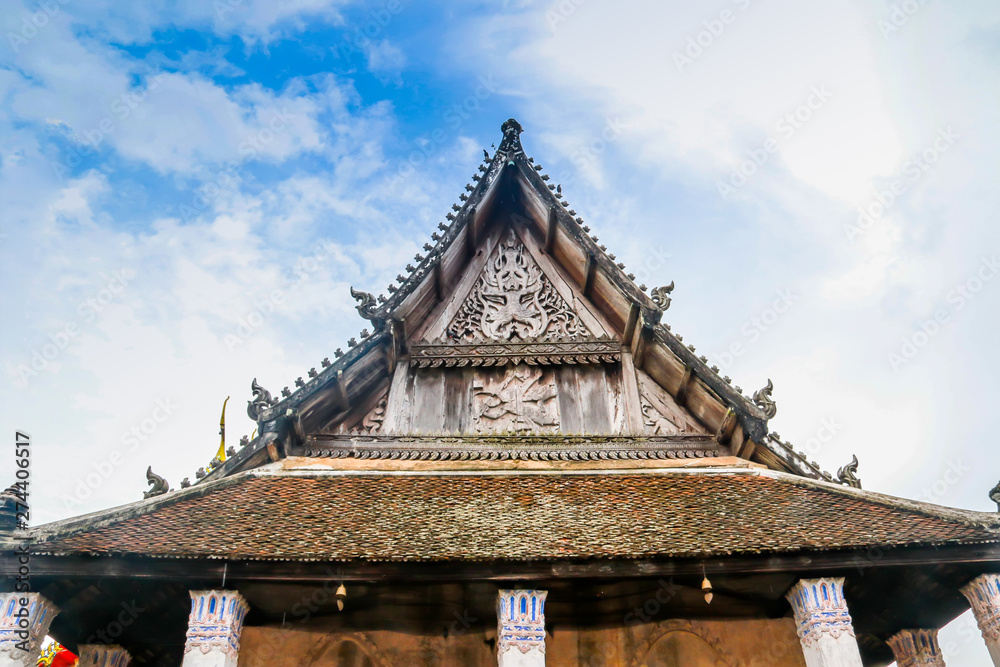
<point x="510" y="447"/>
<point x="577" y="351"/>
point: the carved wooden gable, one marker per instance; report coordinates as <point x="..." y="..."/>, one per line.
<point x="516" y="350"/>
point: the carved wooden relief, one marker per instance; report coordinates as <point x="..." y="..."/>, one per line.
<point x="516" y="399"/>
<point x="660" y="413"/>
<point x="514" y="301"/>
<point x="371" y="423"/>
<point x="655" y="422"/>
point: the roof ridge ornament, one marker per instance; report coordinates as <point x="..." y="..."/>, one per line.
<point x="660" y="296"/>
<point x="158" y="485"/>
<point x="995" y="495"/>
<point x="848" y="474"/>
<point x="762" y="399"/>
<point x="511" y="137"/>
<point x="260" y="402"/>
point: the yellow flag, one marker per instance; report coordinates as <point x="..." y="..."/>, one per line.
<point x="222" y="432"/>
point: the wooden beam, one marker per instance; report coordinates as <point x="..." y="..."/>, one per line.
<point x="340" y="392"/>
<point x="471" y="233"/>
<point x="588" y="273"/>
<point x="977" y="558"/>
<point x="630" y="323"/>
<point x="682" y="389"/>
<point x="639" y="341"/>
<point x="438" y="281"/>
<point x="550" y="230"/>
<point x="748" y="448"/>
<point x="397" y="397"/>
<point x="630" y="394"/>
<point x="727" y="427"/>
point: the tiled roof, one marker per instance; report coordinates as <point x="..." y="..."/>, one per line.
<point x="447" y="517"/>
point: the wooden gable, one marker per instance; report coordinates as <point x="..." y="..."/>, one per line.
<point x="517" y="335"/>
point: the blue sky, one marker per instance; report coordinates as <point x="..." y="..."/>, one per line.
<point x="189" y="189"/>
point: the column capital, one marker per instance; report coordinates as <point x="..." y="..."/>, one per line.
<point x="521" y="625"/>
<point x="103" y="655"/>
<point x="215" y="624"/>
<point x="916" y="648"/>
<point x="983" y="593"/>
<point x="24" y="622"/>
<point x="820" y="609"/>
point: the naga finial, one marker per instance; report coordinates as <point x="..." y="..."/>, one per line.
<point x="848" y="474"/>
<point x="260" y="402"/>
<point x="158" y="485"/>
<point x="995" y="495"/>
<point x="660" y="296"/>
<point x="762" y="399"/>
<point x="367" y="305"/>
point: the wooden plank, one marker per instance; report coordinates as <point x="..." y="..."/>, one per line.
<point x="428" y="401"/>
<point x="397" y="409"/>
<point x="616" y="397"/>
<point x="630" y="394"/>
<point x="458" y="400"/>
<point x="594" y="404"/>
<point x="570" y="409"/>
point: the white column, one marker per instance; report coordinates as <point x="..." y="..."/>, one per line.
<point x="983" y="594"/>
<point x="24" y="622"/>
<point x="521" y="628"/>
<point x="916" y="648"/>
<point x="214" y="628"/>
<point x="103" y="655"/>
<point x="824" y="624"/>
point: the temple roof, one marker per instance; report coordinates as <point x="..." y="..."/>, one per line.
<point x="513" y="189"/>
<point x="313" y="512"/>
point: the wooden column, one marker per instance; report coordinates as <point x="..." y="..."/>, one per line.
<point x="24" y="622"/>
<point x="521" y="628"/>
<point x="983" y="594"/>
<point x="103" y="655"/>
<point x="214" y="628"/>
<point x="824" y="623"/>
<point x="916" y="648"/>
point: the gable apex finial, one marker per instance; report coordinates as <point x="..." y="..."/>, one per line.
<point x="511" y="137"/>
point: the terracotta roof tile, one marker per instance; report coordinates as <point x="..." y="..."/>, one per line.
<point x="510" y="517"/>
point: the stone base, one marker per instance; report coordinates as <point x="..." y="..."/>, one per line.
<point x="831" y="651"/>
<point x="513" y="657"/>
<point x="13" y="657"/>
<point x="213" y="658"/>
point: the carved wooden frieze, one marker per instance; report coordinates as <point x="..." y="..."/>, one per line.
<point x="514" y="301"/>
<point x="496" y="447"/>
<point x="548" y="352"/>
<point x="518" y="399"/>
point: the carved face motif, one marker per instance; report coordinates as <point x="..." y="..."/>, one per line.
<point x="511" y="304"/>
<point x="514" y="302"/>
